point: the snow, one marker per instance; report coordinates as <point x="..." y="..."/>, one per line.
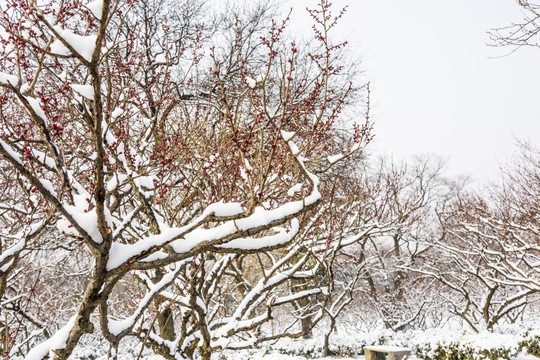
<point x="6" y="266"/>
<point x="252" y="83"/>
<point x="44" y="159"/>
<point x="58" y="48"/>
<point x="347" y="343"/>
<point x="249" y="243"/>
<point x="243" y="173"/>
<point x="113" y="182"/>
<point x="296" y="188"/>
<point x="7" y="79"/>
<point x="297" y="295"/>
<point x="49" y="187"/>
<point x="335" y="158"/>
<point x="83" y="45"/>
<point x="120" y="253"/>
<point x="161" y="58"/>
<point x="86" y="220"/>
<point x="430" y="339"/>
<point x="6" y="253"/>
<point x="355" y="147"/>
<point x="146" y="181"/>
<point x="293" y="148"/>
<point x="222" y="209"/>
<point x="36" y="107"/>
<point x="118" y="326"/>
<point x="10" y="151"/>
<point x="160" y="255"/>
<point x="84" y="90"/>
<point x="286" y="135"/>
<point x="116" y="113"/>
<point x="57" y="341"/>
<point x="96" y="8"/>
<point x="523" y="356"/>
<point x="65" y="227"/>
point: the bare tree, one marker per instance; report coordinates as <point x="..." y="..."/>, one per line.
<point x="371" y="206"/>
<point x="488" y="250"/>
<point x="524" y="33"/>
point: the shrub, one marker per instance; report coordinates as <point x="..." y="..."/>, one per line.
<point x="532" y="345"/>
<point x="457" y="351"/>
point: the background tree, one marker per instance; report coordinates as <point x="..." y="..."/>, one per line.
<point x="404" y="198"/>
<point x="487" y="253"/>
<point x="519" y="34"/>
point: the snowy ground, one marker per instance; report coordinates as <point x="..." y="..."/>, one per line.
<point x="251" y="355"/>
<point x="348" y="346"/>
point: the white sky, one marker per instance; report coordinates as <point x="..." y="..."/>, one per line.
<point x="436" y="86"/>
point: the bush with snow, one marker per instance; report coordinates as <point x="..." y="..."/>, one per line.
<point x="531" y="345"/>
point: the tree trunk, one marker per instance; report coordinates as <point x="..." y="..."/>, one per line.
<point x="165" y="318"/>
<point x="165" y="321"/>
<point x="326" y="349"/>
<point x="306" y="321"/>
<point x="205" y="352"/>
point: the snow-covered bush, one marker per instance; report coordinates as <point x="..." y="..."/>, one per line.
<point x="441" y="345"/>
<point x="531" y="345"/>
<point x="458" y="352"/>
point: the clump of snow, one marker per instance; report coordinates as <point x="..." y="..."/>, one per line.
<point x="56" y="342"/>
<point x="355" y="147"/>
<point x="243" y="173"/>
<point x="146" y="181"/>
<point x="44" y="159"/>
<point x="87" y="220"/>
<point x="65" y="227"/>
<point x="223" y="209"/>
<point x="335" y="158"/>
<point x="7" y="79"/>
<point x="18" y="246"/>
<point x="161" y="58"/>
<point x="294" y="148"/>
<point x="83" y="45"/>
<point x="10" y="151"/>
<point x="57" y="47"/>
<point x="282" y="237"/>
<point x="296" y="188"/>
<point x="116" y="113"/>
<point x="36" y="107"/>
<point x="120" y="253"/>
<point x="287" y="135"/>
<point x="96" y="8"/>
<point x="252" y="83"/>
<point x="84" y="90"/>
<point x="248" y="165"/>
<point x="48" y="186"/>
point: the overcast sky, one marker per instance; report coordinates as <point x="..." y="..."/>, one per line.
<point x="436" y="85"/>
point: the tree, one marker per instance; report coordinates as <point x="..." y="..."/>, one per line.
<point x="524" y="33"/>
<point x="488" y="252"/>
<point x="134" y="148"/>
<point x="404" y="199"/>
<point x="374" y="202"/>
